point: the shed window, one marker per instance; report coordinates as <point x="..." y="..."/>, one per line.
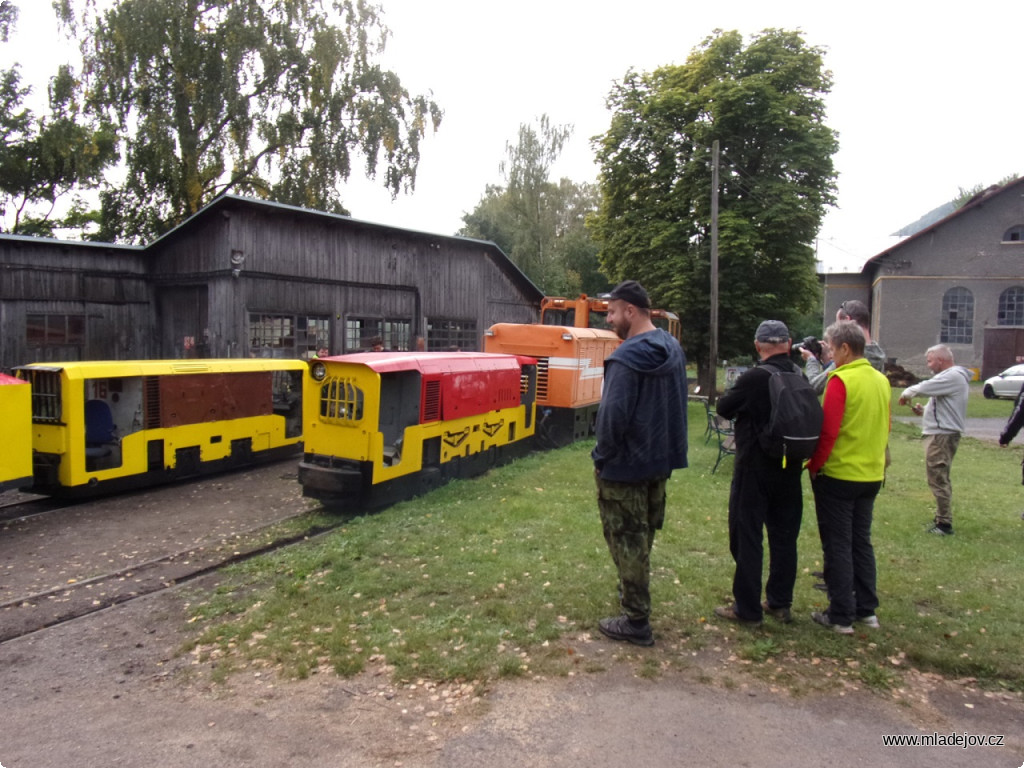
<point x="55" y="330"/>
<point x="450" y="334"/>
<point x="1011" y="306"/>
<point x="394" y="334"/>
<point x="288" y="336"/>
<point x="957" y="325"/>
<point x="1014" y="234"/>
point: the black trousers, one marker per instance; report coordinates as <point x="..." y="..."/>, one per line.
<point x="764" y="497"/>
<point x="844" y="509"/>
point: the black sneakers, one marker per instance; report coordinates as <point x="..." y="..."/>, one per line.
<point x="622" y="628"/>
<point x="941" y="530"/>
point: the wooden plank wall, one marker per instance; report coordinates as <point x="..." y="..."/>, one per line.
<point x="108" y="286"/>
<point x="291" y="261"/>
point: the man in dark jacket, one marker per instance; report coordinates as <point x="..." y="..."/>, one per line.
<point x="765" y="491"/>
<point x="1014" y="424"/>
<point x="641" y="438"/>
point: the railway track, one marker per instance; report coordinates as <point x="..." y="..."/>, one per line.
<point x="52" y="607"/>
<point x="27" y="506"/>
<point x="61" y="562"/>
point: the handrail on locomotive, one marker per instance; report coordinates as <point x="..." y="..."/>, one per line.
<point x="580" y="313"/>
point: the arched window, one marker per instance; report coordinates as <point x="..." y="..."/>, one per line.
<point x="1011" y="306"/>
<point x="1014" y="234"/>
<point x="957" y="317"/>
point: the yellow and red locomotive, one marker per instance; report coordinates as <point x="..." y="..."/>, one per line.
<point x="381" y="427"/>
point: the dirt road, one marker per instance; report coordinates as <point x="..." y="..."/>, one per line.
<point x="114" y="689"/>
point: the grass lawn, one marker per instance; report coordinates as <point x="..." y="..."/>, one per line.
<point x="507" y="574"/>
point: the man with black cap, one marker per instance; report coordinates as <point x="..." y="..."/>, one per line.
<point x="765" y="492"/>
<point x="641" y="438"/>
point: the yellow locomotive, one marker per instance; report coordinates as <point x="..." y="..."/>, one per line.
<point x="107" y="426"/>
<point x="381" y="427"/>
<point x="16" y="457"/>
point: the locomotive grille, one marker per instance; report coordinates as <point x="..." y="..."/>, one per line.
<point x="340" y="400"/>
<point x="151" y="401"/>
<point x="542" y="378"/>
<point x="46" y="395"/>
<point x="432" y="400"/>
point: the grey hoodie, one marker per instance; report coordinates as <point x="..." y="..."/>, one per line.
<point x="946" y="411"/>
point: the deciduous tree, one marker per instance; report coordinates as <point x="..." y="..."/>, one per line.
<point x="272" y="98"/>
<point x="764" y="103"/>
<point x="538" y="223"/>
<point x="46" y="158"/>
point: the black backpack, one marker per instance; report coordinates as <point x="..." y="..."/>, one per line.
<point x="794" y="426"/>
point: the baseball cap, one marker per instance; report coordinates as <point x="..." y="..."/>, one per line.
<point x="632" y="292"/>
<point x="772" y="332"/>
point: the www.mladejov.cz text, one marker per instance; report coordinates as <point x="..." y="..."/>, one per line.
<point x="936" y="739"/>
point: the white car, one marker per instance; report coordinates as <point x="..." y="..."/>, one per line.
<point x="1005" y="384"/>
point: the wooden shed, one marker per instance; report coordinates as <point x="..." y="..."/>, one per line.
<point x="71" y="300"/>
<point x="246" y="278"/>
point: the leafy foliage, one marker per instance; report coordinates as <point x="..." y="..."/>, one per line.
<point x="43" y="159"/>
<point x="8" y="19"/>
<point x="964" y="196"/>
<point x="270" y="98"/>
<point x="764" y="105"/>
<point x="540" y="224"/>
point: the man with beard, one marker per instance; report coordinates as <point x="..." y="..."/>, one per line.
<point x="641" y="438"/>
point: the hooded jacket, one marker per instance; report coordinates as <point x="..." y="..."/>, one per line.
<point x="641" y="422"/>
<point x="946" y="411"/>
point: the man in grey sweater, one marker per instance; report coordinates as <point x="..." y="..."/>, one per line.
<point x="943" y="422"/>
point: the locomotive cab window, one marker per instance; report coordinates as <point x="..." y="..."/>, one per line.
<point x="113" y="409"/>
<point x="287" y="399"/>
<point x="399" y="409"/>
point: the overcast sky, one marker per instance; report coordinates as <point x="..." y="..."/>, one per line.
<point x="926" y="98"/>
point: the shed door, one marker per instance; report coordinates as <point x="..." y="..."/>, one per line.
<point x="183" y="317"/>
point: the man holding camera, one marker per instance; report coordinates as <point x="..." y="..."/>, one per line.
<point x="817" y="367"/>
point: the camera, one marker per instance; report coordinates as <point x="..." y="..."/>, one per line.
<point x="811" y="344"/>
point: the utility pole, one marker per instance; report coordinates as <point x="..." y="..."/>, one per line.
<point x="713" y="343"/>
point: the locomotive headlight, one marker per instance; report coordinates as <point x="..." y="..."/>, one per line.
<point x="318" y="371"/>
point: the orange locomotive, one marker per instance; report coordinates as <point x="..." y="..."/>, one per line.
<point x="570" y="355"/>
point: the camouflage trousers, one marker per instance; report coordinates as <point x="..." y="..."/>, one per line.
<point x="630" y="514"/>
<point x="939" y="451"/>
